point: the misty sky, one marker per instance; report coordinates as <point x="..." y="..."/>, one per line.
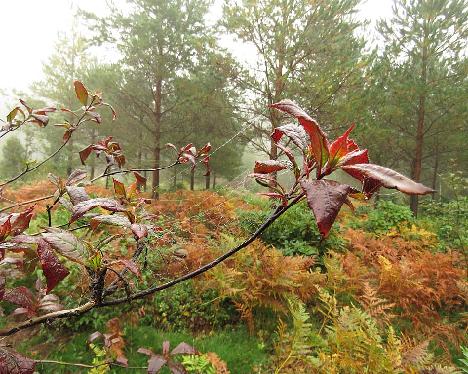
<point x="30" y="29"/>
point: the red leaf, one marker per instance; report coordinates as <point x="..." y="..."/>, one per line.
<point x="77" y="194"/>
<point x="75" y="177"/>
<point x="81" y="92"/>
<point x="20" y="296"/>
<point x="53" y="269"/>
<point x="355" y="157"/>
<point x="67" y="244"/>
<point x="268" y="166"/>
<point x="388" y="178"/>
<point x="107" y="219"/>
<point x="141" y="180"/>
<point x="84" y="153"/>
<point x="339" y="148"/>
<point x="130" y="265"/>
<point x="155" y="363"/>
<point x="325" y="198"/>
<point x="318" y="140"/>
<point x="40" y="119"/>
<point x="184" y="349"/>
<point x="205" y="150"/>
<point x="107" y="204"/>
<point x="275" y="195"/>
<point x="119" y="189"/>
<point x="296" y="133"/>
<point x="139" y="230"/>
<point x="12" y="362"/>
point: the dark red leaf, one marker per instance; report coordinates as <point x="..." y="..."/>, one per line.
<point x="131" y="266"/>
<point x="81" y="92"/>
<point x="75" y="177"/>
<point x="67" y="244"/>
<point x="269" y="166"/>
<point x="20" y="296"/>
<point x="40" y="119"/>
<point x="44" y="111"/>
<point x="184" y="349"/>
<point x="12" y="362"/>
<point x="141" y="180"/>
<point x="318" y="140"/>
<point x="325" y="198"/>
<point x="77" y="194"/>
<point x="107" y="219"/>
<point x="145" y="351"/>
<point x="107" y="204"/>
<point x="296" y="133"/>
<point x="95" y="117"/>
<point x="53" y="269"/>
<point x="155" y="363"/>
<point x="140" y="231"/>
<point x="84" y="153"/>
<point x="388" y="178"/>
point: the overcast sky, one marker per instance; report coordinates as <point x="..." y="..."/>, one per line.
<point x="29" y="30"/>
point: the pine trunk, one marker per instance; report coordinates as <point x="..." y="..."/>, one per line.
<point x="157" y="139"/>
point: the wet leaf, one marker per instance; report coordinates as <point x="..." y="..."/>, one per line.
<point x="325" y="198"/>
<point x="12" y="362"/>
<point x="53" y="269"/>
<point x="105" y="203"/>
<point x="67" y="244"/>
<point x="387" y="178"/>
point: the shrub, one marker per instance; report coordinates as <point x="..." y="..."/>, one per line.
<point x="384" y="217"/>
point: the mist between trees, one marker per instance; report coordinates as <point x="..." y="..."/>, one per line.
<point x="172" y="82"/>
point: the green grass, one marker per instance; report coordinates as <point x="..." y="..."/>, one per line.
<point x="236" y="347"/>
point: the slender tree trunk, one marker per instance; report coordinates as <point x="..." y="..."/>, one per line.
<point x="214" y="180"/>
<point x="175" y="179"/>
<point x="70" y="156"/>
<point x="417" y="160"/>
<point x="207" y="182"/>
<point x="140" y="152"/>
<point x="435" y="171"/>
<point x="157" y="138"/>
<point x="192" y="179"/>
<point x="92" y="164"/>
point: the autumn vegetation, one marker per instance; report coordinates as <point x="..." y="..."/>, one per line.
<point x="129" y="242"/>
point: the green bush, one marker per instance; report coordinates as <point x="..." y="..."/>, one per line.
<point x="384" y="217"/>
<point x="182" y="308"/>
<point x="449" y="220"/>
<point x="294" y="233"/>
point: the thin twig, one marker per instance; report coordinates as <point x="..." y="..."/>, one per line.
<point x="26" y="202"/>
<point x="126" y="171"/>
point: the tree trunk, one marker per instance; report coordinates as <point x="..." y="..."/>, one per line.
<point x="417" y="160"/>
<point x="92" y="164"/>
<point x="157" y="138"/>
<point x="435" y="171"/>
<point x="207" y="182"/>
<point x="175" y="179"/>
<point x="214" y="180"/>
<point x="70" y="156"/>
<point x="192" y="179"/>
